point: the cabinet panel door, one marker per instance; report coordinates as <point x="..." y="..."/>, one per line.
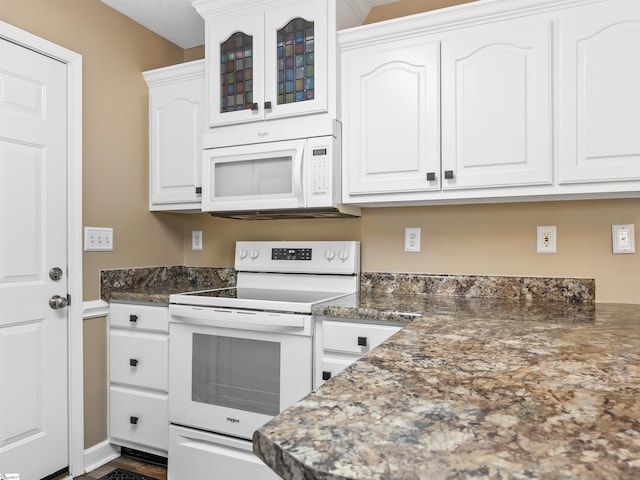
<point x="600" y="93"/>
<point x="176" y="142"/>
<point x="496" y="105"/>
<point x="296" y="71"/>
<point x="391" y="118"/>
<point x="235" y="63"/>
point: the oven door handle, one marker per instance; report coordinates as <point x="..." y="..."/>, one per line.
<point x="229" y="317"/>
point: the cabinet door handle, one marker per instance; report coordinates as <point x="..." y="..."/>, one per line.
<point x="133" y="318"/>
<point x="133" y="362"/>
<point x="326" y="375"/>
<point x="448" y="174"/>
<point x="267" y="105"/>
<point x="133" y="420"/>
<point x="254" y="107"/>
<point x="431" y="176"/>
<point x="198" y="190"/>
<point x="362" y="341"/>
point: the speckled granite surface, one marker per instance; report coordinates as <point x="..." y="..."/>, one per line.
<point x="155" y="284"/>
<point x="473" y="388"/>
<point x="487" y="286"/>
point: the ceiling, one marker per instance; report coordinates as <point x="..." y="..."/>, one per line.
<point x="178" y="21"/>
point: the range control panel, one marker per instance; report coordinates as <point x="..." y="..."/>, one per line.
<point x="338" y="257"/>
<point x="291" y="253"/>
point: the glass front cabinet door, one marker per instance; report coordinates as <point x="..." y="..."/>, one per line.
<point x="268" y="61"/>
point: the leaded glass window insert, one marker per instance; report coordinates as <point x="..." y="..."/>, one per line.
<point x="236" y="73"/>
<point x="296" y="76"/>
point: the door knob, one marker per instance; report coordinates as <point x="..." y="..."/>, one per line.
<point x="57" y="302"/>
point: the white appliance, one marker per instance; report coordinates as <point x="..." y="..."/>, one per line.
<point x="238" y="356"/>
<point x="280" y="179"/>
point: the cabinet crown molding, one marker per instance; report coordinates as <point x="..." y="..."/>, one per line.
<point x="450" y="18"/>
<point x="174" y="73"/>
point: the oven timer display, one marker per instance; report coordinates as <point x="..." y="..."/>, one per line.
<point x="291" y="254"/>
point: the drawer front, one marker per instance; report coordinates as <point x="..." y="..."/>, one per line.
<point x="355" y="338"/>
<point x="140" y="359"/>
<point x="331" y="367"/>
<point x="139" y="317"/>
<point x="139" y="417"/>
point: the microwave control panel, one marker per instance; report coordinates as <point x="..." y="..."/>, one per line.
<point x="320" y="171"/>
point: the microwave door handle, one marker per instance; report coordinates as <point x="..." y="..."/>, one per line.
<point x="297" y="176"/>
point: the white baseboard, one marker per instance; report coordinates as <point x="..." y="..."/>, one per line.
<point x="99" y="455"/>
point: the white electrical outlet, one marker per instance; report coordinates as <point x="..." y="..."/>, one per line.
<point x="412" y="239"/>
<point x="623" y="238"/>
<point x="546" y="239"/>
<point x="98" y="239"/>
<point x="196" y="240"/>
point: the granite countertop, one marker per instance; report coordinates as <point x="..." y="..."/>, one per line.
<point x="472" y="388"/>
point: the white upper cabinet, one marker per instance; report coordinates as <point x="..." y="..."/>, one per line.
<point x="599" y="93"/>
<point x="493" y="101"/>
<point x="496" y="105"/>
<point x="268" y="59"/>
<point x="176" y="125"/>
<point x="391" y="117"/>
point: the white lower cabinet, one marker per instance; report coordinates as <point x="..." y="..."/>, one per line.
<point x="139" y="418"/>
<point x="339" y="343"/>
<point x="138" y="377"/>
<point x="207" y="455"/>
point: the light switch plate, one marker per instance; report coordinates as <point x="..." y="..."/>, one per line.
<point x="98" y="239"/>
<point x="623" y="238"/>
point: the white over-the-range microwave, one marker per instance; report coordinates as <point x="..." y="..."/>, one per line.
<point x="297" y="178"/>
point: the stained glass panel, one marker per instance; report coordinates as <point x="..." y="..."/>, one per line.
<point x="295" y="61"/>
<point x="236" y="73"/>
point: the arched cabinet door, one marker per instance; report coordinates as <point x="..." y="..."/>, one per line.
<point x="176" y="122"/>
<point x="496" y="105"/>
<point x="268" y="60"/>
<point x="599" y="93"/>
<point x="391" y="119"/>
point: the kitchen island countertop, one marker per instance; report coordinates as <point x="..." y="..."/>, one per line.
<point x="472" y="388"/>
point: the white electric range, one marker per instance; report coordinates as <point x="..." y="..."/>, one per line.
<point x="238" y="356"/>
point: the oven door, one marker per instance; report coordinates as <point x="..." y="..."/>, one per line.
<point x="234" y="380"/>
<point x="262" y="176"/>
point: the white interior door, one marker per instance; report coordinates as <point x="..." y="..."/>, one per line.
<point x="33" y="240"/>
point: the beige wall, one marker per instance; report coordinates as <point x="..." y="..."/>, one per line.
<point x="482" y="239"/>
<point x="495" y="239"/>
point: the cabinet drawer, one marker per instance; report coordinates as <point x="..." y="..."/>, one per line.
<point x="331" y="367"/>
<point x="356" y="338"/>
<point x="139" y="417"/>
<point x="139" y="359"/>
<point x="139" y="317"/>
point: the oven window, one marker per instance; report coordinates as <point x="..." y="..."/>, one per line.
<point x="264" y="176"/>
<point x="236" y="373"/>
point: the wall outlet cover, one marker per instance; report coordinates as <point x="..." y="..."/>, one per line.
<point x="546" y="239"/>
<point x="412" y="239"/>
